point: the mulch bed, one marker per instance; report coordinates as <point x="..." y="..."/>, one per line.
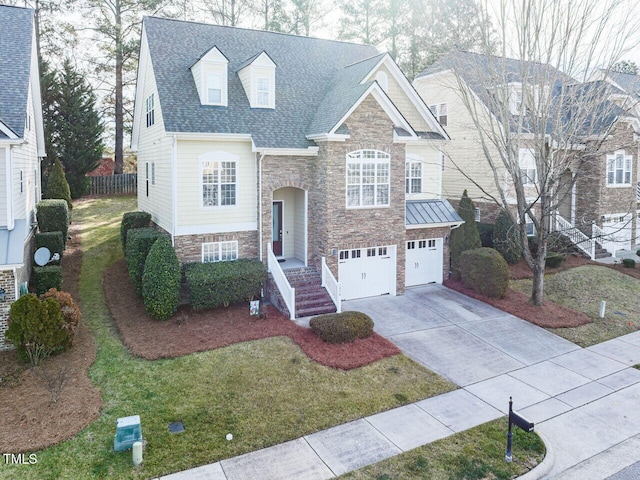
<point x="31" y="419"/>
<point x="521" y="270"/>
<point x="192" y="331"/>
<point x="549" y="315"/>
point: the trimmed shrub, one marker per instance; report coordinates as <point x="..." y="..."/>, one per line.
<point x="342" y="327"/>
<point x="57" y="185"/>
<point x="485" y="230"/>
<point x="133" y="220"/>
<point x="485" y="271"/>
<point x="53" y="241"/>
<point x="638" y="253"/>
<point x="506" y="238"/>
<point x="629" y="262"/>
<point x="44" y="278"/>
<point x="53" y="216"/>
<point x="139" y="242"/>
<point x="69" y="309"/>
<point x="219" y="284"/>
<point x="466" y="236"/>
<point x="36" y="328"/>
<point x="161" y="280"/>
<point x="553" y="259"/>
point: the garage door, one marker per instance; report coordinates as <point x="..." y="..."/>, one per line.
<point x="424" y="262"/>
<point x="367" y="272"/>
<point x="618" y="230"/>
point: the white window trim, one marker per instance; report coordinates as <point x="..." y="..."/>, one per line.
<point x="527" y="160"/>
<point x="611" y="160"/>
<point x="218" y="246"/>
<point x="150" y="110"/>
<point x="439" y="111"/>
<point x="269" y="92"/>
<point x="386" y="159"/>
<point x="407" y="178"/>
<point x="218" y="157"/>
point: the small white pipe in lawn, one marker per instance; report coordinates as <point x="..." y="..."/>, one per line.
<point x="137" y="453"/>
<point x="603" y="307"/>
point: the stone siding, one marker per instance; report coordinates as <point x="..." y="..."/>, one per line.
<point x="189" y="247"/>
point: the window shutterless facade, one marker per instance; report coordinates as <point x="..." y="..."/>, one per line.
<point x="219" y="182"/>
<point x="619" y="169"/>
<point x="368" y="179"/>
<point x="441" y="112"/>
<point x="214" y="89"/>
<point x="527" y="164"/>
<point x="263" y="91"/>
<point x="219" y="251"/>
<point x="413" y="177"/>
<point x="150" y="110"/>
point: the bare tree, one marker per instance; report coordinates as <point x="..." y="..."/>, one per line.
<point x="227" y="12"/>
<point x="528" y="98"/>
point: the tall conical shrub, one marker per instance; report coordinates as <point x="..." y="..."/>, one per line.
<point x="466" y="236"/>
<point x="506" y="238"/>
<point x="57" y="185"/>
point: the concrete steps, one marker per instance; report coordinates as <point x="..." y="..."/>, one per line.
<point x="311" y="297"/>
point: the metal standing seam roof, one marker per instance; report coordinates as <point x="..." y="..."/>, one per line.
<point x="16" y="28"/>
<point x="431" y="212"/>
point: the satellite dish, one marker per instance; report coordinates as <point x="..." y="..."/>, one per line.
<point x="42" y="256"/>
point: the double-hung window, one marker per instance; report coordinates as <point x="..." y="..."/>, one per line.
<point x="619" y="169"/>
<point x="214" y="88"/>
<point x="413" y="177"/>
<point x="263" y="88"/>
<point x="368" y="178"/>
<point x="527" y="164"/>
<point x="150" y="110"/>
<point x="219" y="251"/>
<point x="441" y="112"/>
<point x="218" y="183"/>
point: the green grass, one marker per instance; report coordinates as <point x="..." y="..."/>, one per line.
<point x="474" y="454"/>
<point x="263" y="392"/>
<point x="582" y="289"/>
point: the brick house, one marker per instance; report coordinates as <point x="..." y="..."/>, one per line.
<point x="21" y="146"/>
<point x="315" y="156"/>
<point x="599" y="186"/>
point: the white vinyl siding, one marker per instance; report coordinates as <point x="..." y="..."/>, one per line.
<point x="210" y="76"/>
<point x="150" y="110"/>
<point x="219" y="251"/>
<point x="3" y="186"/>
<point x="619" y="169"/>
<point x="368" y="178"/>
<point x="527" y="164"/>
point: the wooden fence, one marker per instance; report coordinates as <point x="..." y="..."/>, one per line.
<point x="119" y="184"/>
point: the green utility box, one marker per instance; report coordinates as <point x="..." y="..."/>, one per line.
<point x="128" y="431"/>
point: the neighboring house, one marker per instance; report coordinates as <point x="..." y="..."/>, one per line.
<point x="21" y="146"/>
<point x="254" y="144"/>
<point x="599" y="188"/>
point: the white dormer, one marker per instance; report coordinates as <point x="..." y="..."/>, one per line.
<point x="211" y="78"/>
<point x="258" y="77"/>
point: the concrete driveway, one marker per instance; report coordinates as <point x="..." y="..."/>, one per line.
<point x="460" y="338"/>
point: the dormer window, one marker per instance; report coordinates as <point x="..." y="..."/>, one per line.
<point x="211" y="77"/>
<point x="258" y="77"/>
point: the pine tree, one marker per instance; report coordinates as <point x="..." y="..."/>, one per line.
<point x="466" y="236"/>
<point x="50" y="90"/>
<point x="57" y="186"/>
<point x="77" y="137"/>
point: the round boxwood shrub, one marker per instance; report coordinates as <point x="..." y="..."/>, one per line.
<point x="36" y="328"/>
<point x="485" y="271"/>
<point x="161" y="280"/>
<point x="506" y="238"/>
<point x="553" y="259"/>
<point x="133" y="220"/>
<point x="342" y="327"/>
<point x="69" y="309"/>
<point x="629" y="262"/>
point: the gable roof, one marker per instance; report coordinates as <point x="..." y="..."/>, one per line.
<point x="628" y="82"/>
<point x="15" y="65"/>
<point x="317" y="81"/>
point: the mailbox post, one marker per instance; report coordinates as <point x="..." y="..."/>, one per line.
<point x="518" y="420"/>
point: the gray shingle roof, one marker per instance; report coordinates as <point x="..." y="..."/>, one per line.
<point x="431" y="212"/>
<point x="15" y="62"/>
<point x="628" y="82"/>
<point x="312" y="76"/>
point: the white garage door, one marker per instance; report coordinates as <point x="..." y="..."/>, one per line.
<point x="618" y="230"/>
<point x="367" y="272"/>
<point x="424" y="262"/>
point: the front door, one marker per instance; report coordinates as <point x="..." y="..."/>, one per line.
<point x="277" y="228"/>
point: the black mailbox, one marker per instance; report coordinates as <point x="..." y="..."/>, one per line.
<point x="518" y="420"/>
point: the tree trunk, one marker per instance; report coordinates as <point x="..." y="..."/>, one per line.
<point x="119" y="114"/>
<point x="537" y="289"/>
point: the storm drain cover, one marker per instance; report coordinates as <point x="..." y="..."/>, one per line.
<point x="176" y="427"/>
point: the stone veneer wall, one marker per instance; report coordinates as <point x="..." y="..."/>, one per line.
<point x="438" y="232"/>
<point x="189" y="247"/>
<point x="7" y="281"/>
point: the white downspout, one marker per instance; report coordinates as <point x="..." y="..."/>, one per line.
<point x="174" y="190"/>
<point x="9" y="175"/>
<point x="260" y="204"/>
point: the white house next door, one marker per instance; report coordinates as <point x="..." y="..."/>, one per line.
<point x="424" y="262"/>
<point x="367" y="272"/>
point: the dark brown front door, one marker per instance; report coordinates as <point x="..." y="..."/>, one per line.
<point x="277" y="228"/>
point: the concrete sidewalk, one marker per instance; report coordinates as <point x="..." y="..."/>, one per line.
<point x="584" y="401"/>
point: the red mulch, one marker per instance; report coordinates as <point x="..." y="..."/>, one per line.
<point x="31" y="419"/>
<point x="194" y="331"/>
<point x="549" y="315"/>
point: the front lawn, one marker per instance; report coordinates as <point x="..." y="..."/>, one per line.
<point x="582" y="289"/>
<point x="263" y="392"/>
<point x="477" y="453"/>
